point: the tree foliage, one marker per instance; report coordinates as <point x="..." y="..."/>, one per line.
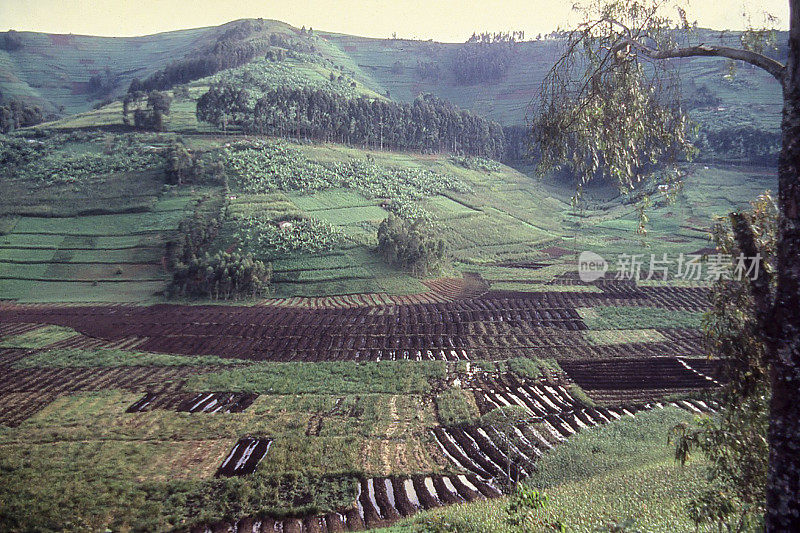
<point x="744" y="143"/>
<point x="428" y="124"/>
<point x="608" y="113"/>
<point x="220" y="276"/>
<point x="485" y="57"/>
<point x="16" y="113"/>
<point x="182" y="166"/>
<point x="413" y="246"/>
<point x="604" y="114"/>
<point x="735" y="442"/>
<point x="151" y="116"/>
<point x="11" y="41"/>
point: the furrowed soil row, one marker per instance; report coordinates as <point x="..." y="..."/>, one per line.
<point x="537" y="397"/>
<point x="9" y="356"/>
<point x="488" y="327"/>
<point x="186" y="402"/>
<point x="7" y="330"/>
<point x="65" y="380"/>
<point x="499" y="454"/>
<point x="636" y="380"/>
<point x="244" y="457"/>
<point x="16" y="407"/>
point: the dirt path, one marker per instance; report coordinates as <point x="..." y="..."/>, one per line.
<point x="387" y="459"/>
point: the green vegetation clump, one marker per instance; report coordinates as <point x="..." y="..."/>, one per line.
<point x="15" y="114"/>
<point x="222" y="276"/>
<point x="476" y="163"/>
<point x="267" y="237"/>
<point x="345" y="377"/>
<point x="92" y="486"/>
<point x="38" y="338"/>
<point x="102" y="357"/>
<point x="605" y="318"/>
<point x="413" y="246"/>
<point x="47" y="161"/>
<point x="533" y="368"/>
<point x="261" y="167"/>
<point x="454" y="407"/>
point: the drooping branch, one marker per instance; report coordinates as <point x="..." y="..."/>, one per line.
<point x="775" y="68"/>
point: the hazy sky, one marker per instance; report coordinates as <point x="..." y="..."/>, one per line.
<point x="441" y="20"/>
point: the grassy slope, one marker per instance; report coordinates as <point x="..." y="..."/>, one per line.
<point x="752" y="97"/>
<point x="752" y="92"/>
<point x="51" y="70"/>
<point x="624" y="470"/>
<point x="507" y="216"/>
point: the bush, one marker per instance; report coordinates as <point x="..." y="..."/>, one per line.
<point x="152" y="116"/>
<point x="16" y="114"/>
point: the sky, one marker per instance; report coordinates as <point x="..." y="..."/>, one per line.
<point x="440" y="20"/>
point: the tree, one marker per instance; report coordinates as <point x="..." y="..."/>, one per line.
<point x="735" y="441"/>
<point x="179" y="163"/>
<point x="157" y="104"/>
<point x="609" y="107"/>
<point x="16" y="113"/>
<point x="411" y="245"/>
<point x="11" y="41"/>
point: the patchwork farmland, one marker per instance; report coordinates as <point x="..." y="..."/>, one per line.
<point x="228" y="360"/>
<point x="207" y="328"/>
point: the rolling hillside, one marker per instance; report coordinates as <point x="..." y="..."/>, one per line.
<point x="336" y="388"/>
<point x="54" y="71"/>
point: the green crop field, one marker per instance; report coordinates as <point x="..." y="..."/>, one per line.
<point x="605" y="477"/>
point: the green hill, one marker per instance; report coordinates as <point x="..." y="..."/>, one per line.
<point x="54" y="71"/>
<point x="88" y="218"/>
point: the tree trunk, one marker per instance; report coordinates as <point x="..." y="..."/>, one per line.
<point x="783" y="485"/>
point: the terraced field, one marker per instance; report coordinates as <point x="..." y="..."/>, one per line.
<point x="87" y="258"/>
<point x="401" y="456"/>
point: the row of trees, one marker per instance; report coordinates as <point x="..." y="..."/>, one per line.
<point x="195" y="232"/>
<point x="182" y="166"/>
<point x="221" y="276"/>
<point x="428" y="124"/>
<point x="196" y="273"/>
<point x="485" y="57"/>
<point x="745" y="143"/>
